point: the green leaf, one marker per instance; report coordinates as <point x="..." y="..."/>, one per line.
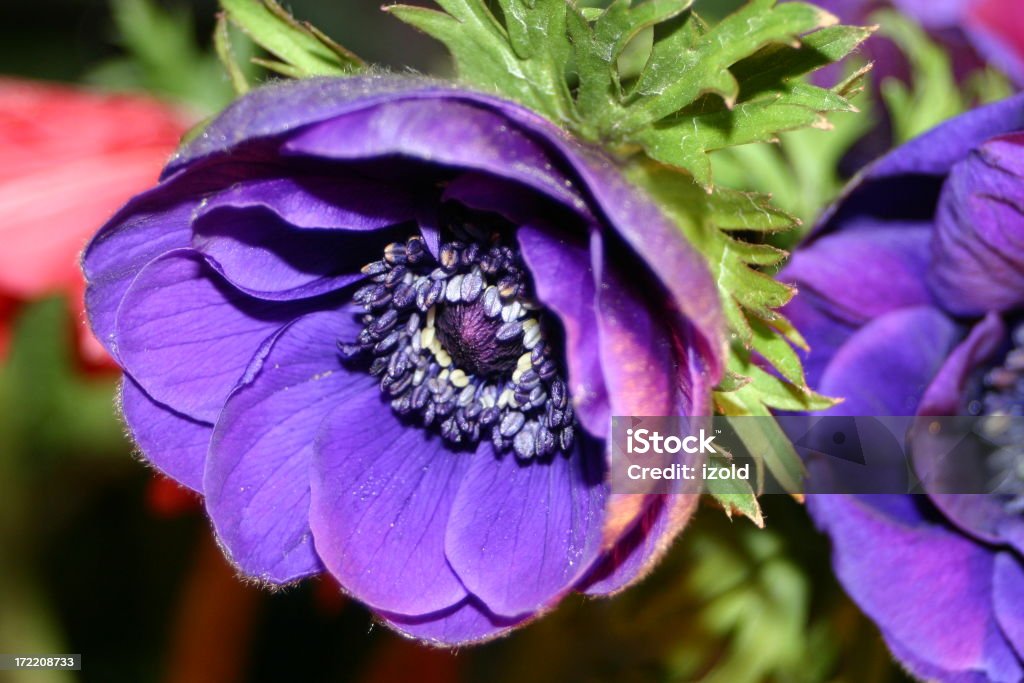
<point x="754" y="26"/>
<point x="736" y="496"/>
<point x="526" y="62"/>
<point x="301" y="49"/>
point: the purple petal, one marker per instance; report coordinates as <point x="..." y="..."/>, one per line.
<point x="257" y="476"/>
<point x="464" y="624"/>
<point x="1008" y="596"/>
<point x="299" y="237"/>
<point x="984" y="517"/>
<point x="484" y="192"/>
<point x="173" y="443"/>
<point x="637" y="354"/>
<point x="186" y="337"/>
<point x="946" y="392"/>
<point x="152" y="223"/>
<point x="382" y="492"/>
<point x="639" y="550"/>
<point x="442" y="131"/>
<point x="936" y="152"/>
<point x="522" y="533"/>
<point x="979" y="246"/>
<point x="825" y="333"/>
<point x="886" y="366"/>
<point x="928" y="588"/>
<point x="866" y="272"/>
<point x="564" y="282"/>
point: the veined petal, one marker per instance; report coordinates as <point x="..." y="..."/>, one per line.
<point x="520" y="533"/>
<point x="186" y="337"/>
<point x="258" y="474"/>
<point x="382" y="494"/>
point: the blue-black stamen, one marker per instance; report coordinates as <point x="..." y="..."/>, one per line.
<point x="458" y="343"/>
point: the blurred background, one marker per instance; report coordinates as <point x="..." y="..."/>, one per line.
<point x="100" y="556"/>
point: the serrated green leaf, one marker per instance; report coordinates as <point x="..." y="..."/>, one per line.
<point x="599" y="46"/>
<point x="526" y="63"/>
<point x="752" y="27"/>
<point x="773" y="66"/>
<point x="733" y="210"/>
<point x="763" y="439"/>
<point x="776" y="350"/>
<point x="302" y="50"/>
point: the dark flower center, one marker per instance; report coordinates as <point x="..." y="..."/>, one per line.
<point x="1002" y="406"/>
<point x="458" y="343"/>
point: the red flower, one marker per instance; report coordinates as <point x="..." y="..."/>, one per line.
<point x="70" y="159"/>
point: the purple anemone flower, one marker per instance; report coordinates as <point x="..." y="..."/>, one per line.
<point x="381" y="325"/>
<point x="912" y="298"/>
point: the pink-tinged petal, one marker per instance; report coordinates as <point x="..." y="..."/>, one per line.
<point x="466" y="623"/>
<point x="186" y="337"/>
<point x="564" y="281"/>
<point x="289" y="238"/>
<point x="1008" y="596"/>
<point x="173" y="443"/>
<point x="636" y="349"/>
<point x="865" y="272"/>
<point x="522" y="533"/>
<point x="916" y="579"/>
<point x="382" y="494"/>
<point x="643" y="546"/>
<point x="884" y="369"/>
<point x="258" y="473"/>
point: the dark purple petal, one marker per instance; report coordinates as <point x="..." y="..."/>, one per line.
<point x="947" y="392"/>
<point x="119" y="251"/>
<point x="938" y="150"/>
<point x="885" y="368"/>
<point x="1008" y="596"/>
<point x="186" y="337"/>
<point x="522" y="533"/>
<point x="866" y="271"/>
<point x="382" y="492"/>
<point x="444" y="132"/>
<point x="928" y="588"/>
<point x="257" y="476"/>
<point x="484" y="192"/>
<point x="464" y="624"/>
<point x="173" y="443"/>
<point x="564" y="282"/>
<point x="979" y="233"/>
<point x="360" y="118"/>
